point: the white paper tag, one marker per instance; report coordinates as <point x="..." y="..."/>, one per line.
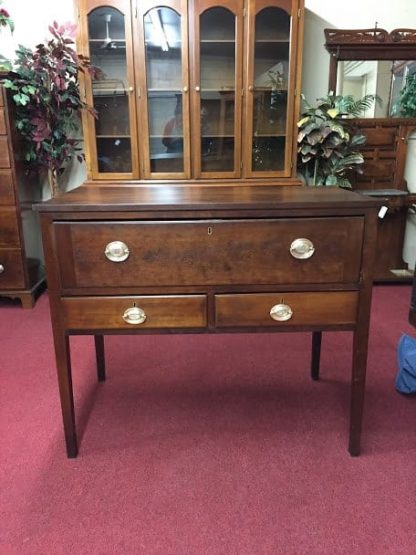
<point x="382" y="212"/>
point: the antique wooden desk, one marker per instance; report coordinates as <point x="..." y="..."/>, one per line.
<point x="209" y="259"/>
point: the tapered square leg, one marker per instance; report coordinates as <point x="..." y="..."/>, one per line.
<point x="100" y="357"/>
<point x="316" y="354"/>
<point x="63" y="365"/>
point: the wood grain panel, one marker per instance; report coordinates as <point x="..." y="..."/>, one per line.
<point x="6" y="187"/>
<point x="379" y="136"/>
<point x="4" y="153"/>
<point x="323" y="308"/>
<point x="12" y="272"/>
<point x="3" y="128"/>
<point x="181" y="311"/>
<point x="9" y="229"/>
<point x="208" y="252"/>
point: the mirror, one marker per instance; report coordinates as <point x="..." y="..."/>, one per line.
<point x="372" y="61"/>
<point x="384" y="78"/>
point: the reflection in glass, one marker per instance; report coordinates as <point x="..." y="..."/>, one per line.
<point x="217" y="67"/>
<point x="114" y="155"/>
<point x="271" y="70"/>
<point x="164" y="84"/>
<point x="384" y="78"/>
<point x="107" y="43"/>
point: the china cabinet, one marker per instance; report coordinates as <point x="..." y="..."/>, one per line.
<point x="198" y="90"/>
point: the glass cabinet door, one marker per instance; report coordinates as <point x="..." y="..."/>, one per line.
<point x="113" y="135"/>
<point x="217" y="85"/>
<point x="163" y="77"/>
<point x="270" y="76"/>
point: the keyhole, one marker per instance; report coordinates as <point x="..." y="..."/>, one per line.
<point x="209" y="230"/>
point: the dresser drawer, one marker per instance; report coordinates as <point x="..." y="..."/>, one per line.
<point x="210" y="252"/>
<point x="179" y="311"/>
<point x="11" y="269"/>
<point x="6" y="187"/>
<point x="4" y="153"/>
<point x="3" y="129"/>
<point x="305" y="309"/>
<point x="9" y="229"/>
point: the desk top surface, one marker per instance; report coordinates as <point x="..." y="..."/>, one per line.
<point x="129" y="197"/>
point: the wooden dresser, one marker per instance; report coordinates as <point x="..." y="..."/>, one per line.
<point x="209" y="259"/>
<point x="21" y="265"/>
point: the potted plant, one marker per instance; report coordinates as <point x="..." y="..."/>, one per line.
<point x="328" y="144"/>
<point x="45" y="89"/>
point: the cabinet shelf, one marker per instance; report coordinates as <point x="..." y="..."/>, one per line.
<point x="108" y="136"/>
<point x="220" y="41"/>
<point x="267" y="135"/>
<point x="104" y="40"/>
<point x="271" y="41"/>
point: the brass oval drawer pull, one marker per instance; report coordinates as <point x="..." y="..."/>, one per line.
<point x="117" y="251"/>
<point x="281" y="312"/>
<point x="2" y="268"/>
<point x="302" y="248"/>
<point x="134" y="315"/>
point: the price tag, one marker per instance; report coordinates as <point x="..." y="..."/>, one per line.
<point x="382" y="212"/>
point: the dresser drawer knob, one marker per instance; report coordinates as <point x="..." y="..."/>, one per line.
<point x="2" y="268"/>
<point x="302" y="248"/>
<point x="117" y="251"/>
<point x="134" y="315"/>
<point x="281" y="312"/>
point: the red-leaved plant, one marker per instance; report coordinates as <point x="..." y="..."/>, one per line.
<point x="5" y="19"/>
<point x="45" y="87"/>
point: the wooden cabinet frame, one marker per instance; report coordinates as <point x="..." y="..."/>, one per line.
<point x="190" y="11"/>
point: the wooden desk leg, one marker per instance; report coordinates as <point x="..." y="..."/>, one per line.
<point x="316" y="354"/>
<point x="63" y="365"/>
<point x="100" y="357"/>
<point x="359" y="364"/>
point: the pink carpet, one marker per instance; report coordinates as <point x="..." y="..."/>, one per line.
<point x="206" y="445"/>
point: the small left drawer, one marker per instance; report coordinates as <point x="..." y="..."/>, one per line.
<point x="135" y="312"/>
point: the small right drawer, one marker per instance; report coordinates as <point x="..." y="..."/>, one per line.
<point x="306" y="308"/>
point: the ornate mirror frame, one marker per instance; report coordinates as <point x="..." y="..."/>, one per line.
<point x="367" y="44"/>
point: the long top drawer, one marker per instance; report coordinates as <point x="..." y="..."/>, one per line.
<point x="210" y="252"/>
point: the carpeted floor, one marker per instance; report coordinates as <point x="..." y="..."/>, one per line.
<point x="203" y="445"/>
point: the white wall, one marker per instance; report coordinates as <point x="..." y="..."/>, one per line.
<point x="354" y="14"/>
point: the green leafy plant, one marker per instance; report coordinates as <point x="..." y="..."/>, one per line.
<point x="45" y="89"/>
<point x="328" y="144"/>
<point x="5" y="19"/>
<point x="406" y="105"/>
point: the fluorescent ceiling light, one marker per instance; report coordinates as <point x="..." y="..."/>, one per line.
<point x="160" y="32"/>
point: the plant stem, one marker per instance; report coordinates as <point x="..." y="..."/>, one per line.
<point x="53" y="182"/>
<point x="315" y="172"/>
